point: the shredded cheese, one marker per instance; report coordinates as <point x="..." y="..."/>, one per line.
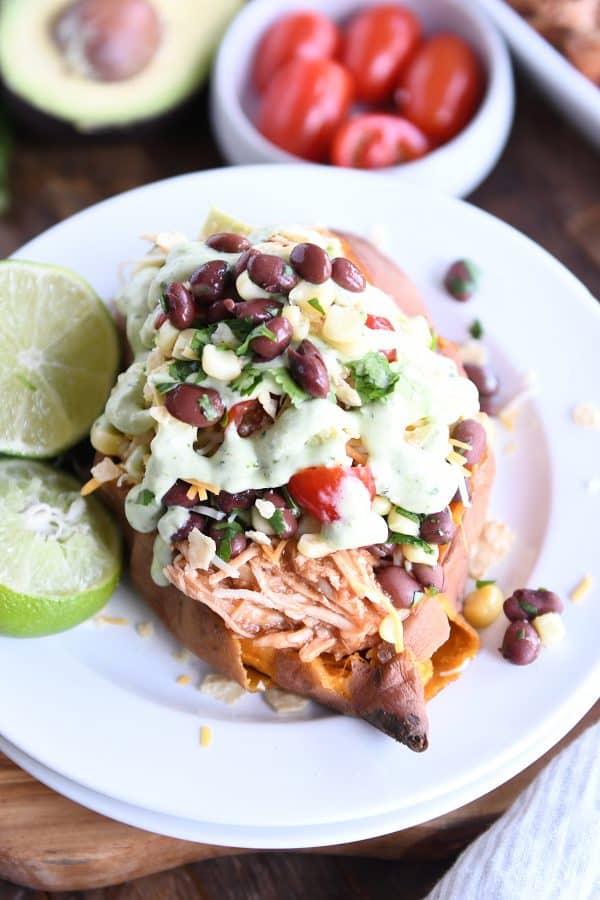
<point x="586" y="415"/>
<point x="274" y="555"/>
<point x="183" y="679"/>
<point x="200" y="489"/>
<point x="110" y="620"/>
<point x="205" y="736"/>
<point x="582" y="589"/>
<point x="145" y="629"/>
<point x="89" y="487"/>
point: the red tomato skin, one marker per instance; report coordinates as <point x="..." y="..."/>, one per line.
<point x="317" y="489"/>
<point x="378" y="43"/>
<point x="442" y="87"/>
<point x="390" y="355"/>
<point x="303" y="106"/>
<point x="378" y="323"/>
<point x="301" y="35"/>
<point x="377" y="140"/>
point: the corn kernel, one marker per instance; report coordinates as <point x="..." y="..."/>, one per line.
<point x="182" y="348"/>
<point x="300" y="324"/>
<point x="402" y="524"/>
<point x="416" y="554"/>
<point x="342" y="325"/>
<point x="248" y="290"/>
<point x="483" y="606"/>
<point x="167" y="335"/>
<point x="381" y="505"/>
<point x="314" y="546"/>
<point x="550" y="628"/>
<point x="107" y="439"/>
<point x="221" y="364"/>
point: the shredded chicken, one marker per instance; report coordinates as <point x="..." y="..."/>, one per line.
<point x="330" y="605"/>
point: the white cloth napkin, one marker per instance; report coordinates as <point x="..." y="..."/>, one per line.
<point x="547" y="845"/>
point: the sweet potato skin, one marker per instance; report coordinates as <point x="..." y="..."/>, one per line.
<point x="373" y="692"/>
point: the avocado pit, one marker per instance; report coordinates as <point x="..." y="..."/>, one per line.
<point x="108" y="40"/>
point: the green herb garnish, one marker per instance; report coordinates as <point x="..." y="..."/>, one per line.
<point x="373" y="377"/>
<point x="314" y="302"/>
<point x="145" y="497"/>
<point x="287" y="384"/>
<point x="201" y="338"/>
<point x="414" y="517"/>
<point x="277" y="522"/>
<point x="207" y="406"/>
<point x="476" y="329"/>
<point x="181" y="369"/>
<point x="259" y="331"/>
<point x="165" y="386"/>
<point x="480" y="584"/>
<point x="248" y="381"/>
<point x="229" y="529"/>
<point x="520" y="634"/>
<point x="529" y="608"/>
<point x="290" y="501"/>
<point x="411" y="539"/>
<point x="434" y="342"/>
<point x="164" y="303"/>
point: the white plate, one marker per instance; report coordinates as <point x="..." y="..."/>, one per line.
<point x="101" y="707"/>
<point x="574" y="95"/>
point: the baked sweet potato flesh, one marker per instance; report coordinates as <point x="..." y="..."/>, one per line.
<point x="387" y="689"/>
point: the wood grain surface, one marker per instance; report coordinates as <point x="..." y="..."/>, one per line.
<point x="546" y="185"/>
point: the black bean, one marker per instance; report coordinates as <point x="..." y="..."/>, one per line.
<point x="194" y="520"/>
<point x="490" y="405"/>
<point x="311" y="263"/>
<point x="181" y="308"/>
<point x="221" y="309"/>
<point x="462" y="279"/>
<point x="471" y="432"/>
<point x="254" y="418"/>
<point x="429" y="576"/>
<point x="382" y="551"/>
<point x="308" y="369"/>
<point x="438" y="528"/>
<point x="271" y="273"/>
<point x="483" y="378"/>
<point x="228" y="242"/>
<point x="399" y="585"/>
<point x="195" y="405"/>
<point x="177" y="495"/>
<point x="258" y="311"/>
<point x="267" y="347"/>
<point x="209" y="282"/>
<point x="521" y="644"/>
<point x="347" y="275"/>
<point x="241" y="263"/>
<point x="229" y="502"/>
<point x="527" y="604"/>
<point x="290" y="524"/>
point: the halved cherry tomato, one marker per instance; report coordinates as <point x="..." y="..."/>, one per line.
<point x="377" y="140"/>
<point x="305" y="34"/>
<point x="378" y="323"/>
<point x="378" y="43"/>
<point x="248" y="416"/>
<point x="442" y="86"/>
<point x="318" y="488"/>
<point x="390" y="355"/>
<point x="303" y="106"/>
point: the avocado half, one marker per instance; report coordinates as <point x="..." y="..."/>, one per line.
<point x="37" y="72"/>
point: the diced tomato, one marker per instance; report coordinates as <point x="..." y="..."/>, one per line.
<point x="378" y="323"/>
<point x="377" y="140"/>
<point x="318" y="488"/>
<point x="390" y="355"/>
<point x="304" y="34"/>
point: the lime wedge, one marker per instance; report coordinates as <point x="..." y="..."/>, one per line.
<point x="58" y="358"/>
<point x="61" y="553"/>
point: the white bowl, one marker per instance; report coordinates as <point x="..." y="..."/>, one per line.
<point x="456" y="168"/>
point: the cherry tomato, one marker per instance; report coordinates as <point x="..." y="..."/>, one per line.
<point x="378" y="323"/>
<point x="306" y="35"/>
<point x="379" y="41"/>
<point x="442" y="86"/>
<point x="318" y="488"/>
<point x="377" y="140"/>
<point x="303" y="106"/>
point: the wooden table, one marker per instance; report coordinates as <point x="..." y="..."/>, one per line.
<point x="547" y="186"/>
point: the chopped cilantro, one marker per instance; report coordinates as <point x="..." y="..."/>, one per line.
<point x="314" y="302"/>
<point x="202" y="337"/>
<point x="373" y="377"/>
<point x="248" y="381"/>
<point x="290" y="501"/>
<point x="476" y="329"/>
<point x="181" y="369"/>
<point x="432" y="590"/>
<point x="277" y="522"/>
<point x="520" y="634"/>
<point x="287" y="384"/>
<point x="164" y="303"/>
<point x="145" y="497"/>
<point x="259" y="331"/>
<point x="480" y="583"/>
<point x="414" y="517"/>
<point x="434" y="341"/>
<point x="528" y="608"/>
<point x="207" y="406"/>
<point x="165" y="386"/>
<point x="411" y="539"/>
<point x="229" y="529"/>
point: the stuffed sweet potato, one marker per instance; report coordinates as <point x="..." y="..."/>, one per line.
<point x="300" y="468"/>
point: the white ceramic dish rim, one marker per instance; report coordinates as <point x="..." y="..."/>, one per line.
<point x="587" y="686"/>
<point x="498" y="102"/>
